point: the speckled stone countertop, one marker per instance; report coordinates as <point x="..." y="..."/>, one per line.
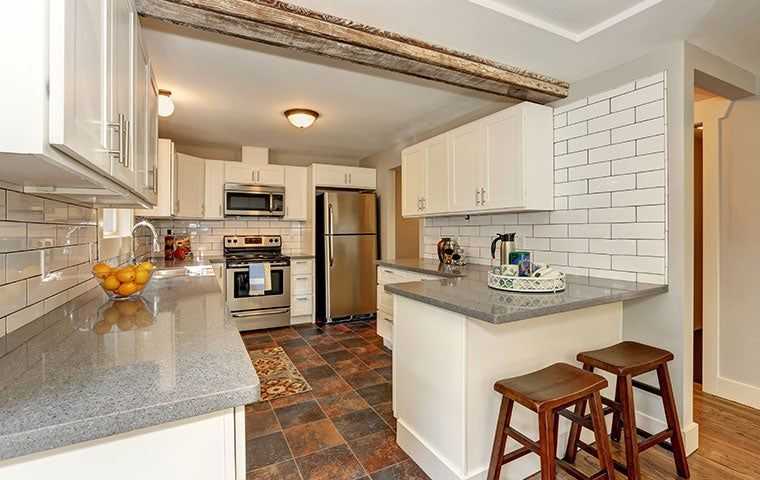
<point x="468" y="293"/>
<point x="427" y="267"/>
<point x="99" y="368"/>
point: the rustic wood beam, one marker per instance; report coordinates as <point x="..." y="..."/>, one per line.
<point x="284" y="25"/>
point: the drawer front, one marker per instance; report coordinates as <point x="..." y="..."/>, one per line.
<point x="302" y="267"/>
<point x="385" y="325"/>
<point x="302" y="284"/>
<point x="387" y="276"/>
<point x="301" y="305"/>
<point x="384" y="300"/>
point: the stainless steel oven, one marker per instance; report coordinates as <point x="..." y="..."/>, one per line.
<point x="253" y="200"/>
<point x="254" y="312"/>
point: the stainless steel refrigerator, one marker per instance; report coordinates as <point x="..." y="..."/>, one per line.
<point x="348" y="229"/>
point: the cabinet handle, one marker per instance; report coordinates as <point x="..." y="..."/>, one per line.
<point x="477" y="196"/>
<point x="482" y="196"/>
<point x="253" y="175"/>
<point x="424" y="203"/>
<point x="115" y="152"/>
<point x="155" y="180"/>
<point x="350" y="182"/>
<point x="302" y="299"/>
<point x="220" y="210"/>
<point x="127" y="138"/>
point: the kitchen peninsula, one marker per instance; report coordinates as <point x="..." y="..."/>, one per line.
<point x="150" y="388"/>
<point x="453" y="337"/>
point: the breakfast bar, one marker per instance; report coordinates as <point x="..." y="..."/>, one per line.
<point x="453" y="337"/>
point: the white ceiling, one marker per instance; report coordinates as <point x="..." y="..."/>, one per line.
<point x="230" y="92"/>
<point x="576" y="20"/>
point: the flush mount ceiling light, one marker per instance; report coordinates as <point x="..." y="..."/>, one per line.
<point x="301" y="117"/>
<point x="165" y="103"/>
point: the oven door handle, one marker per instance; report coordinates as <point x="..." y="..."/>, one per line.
<point x="260" y="313"/>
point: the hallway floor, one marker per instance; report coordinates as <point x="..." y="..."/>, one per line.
<point x="344" y="428"/>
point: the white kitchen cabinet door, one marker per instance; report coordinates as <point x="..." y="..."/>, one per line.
<point x="413" y="179"/>
<point x="330" y="176"/>
<point x="139" y="127"/>
<point x="466" y="167"/>
<point x="236" y="172"/>
<point x="359" y="177"/>
<point x="296" y="193"/>
<point x="436" y="196"/>
<point x="503" y="176"/>
<point x="165" y="181"/>
<point x="78" y="38"/>
<point x="121" y="22"/>
<point x="214" y="190"/>
<point x="190" y="186"/>
<point x="151" y="112"/>
<point x="272" y="175"/>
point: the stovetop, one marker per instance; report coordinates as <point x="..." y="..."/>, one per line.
<point x="253" y="249"/>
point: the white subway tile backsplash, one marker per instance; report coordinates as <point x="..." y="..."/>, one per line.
<point x="56" y="212"/>
<point x="24" y="317"/>
<point x="610" y="191"/>
<point x="631" y="263"/>
<point x="40" y="235"/>
<point x="589" y="141"/>
<point x="612" y="184"/>
<point x="650" y="111"/>
<point x="21" y="265"/>
<point x="613" y="247"/>
<point x="650" y="145"/>
<point x="591" y="111"/>
<point x="612" y="215"/>
<point x="589" y="171"/>
<point x="571" y="188"/>
<point x="12" y="298"/>
<point x="612" y="152"/>
<point x="571" y="131"/>
<point x="571" y="159"/>
<point x="650" y="179"/>
<point x="590" y="260"/>
<point x="569" y="244"/>
<point x="648" y="196"/>
<point x="12" y="236"/>
<point x="638" y="97"/>
<point x="613" y="120"/>
<point x="653" y="161"/>
<point x="638" y="130"/>
<point x="650" y="213"/>
<point x="24" y="208"/>
<point x="654" y="230"/>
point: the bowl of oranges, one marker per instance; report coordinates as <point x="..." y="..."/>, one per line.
<point x="123" y="282"/>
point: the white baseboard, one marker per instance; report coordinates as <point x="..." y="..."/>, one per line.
<point x="735" y="391"/>
<point x="439" y="468"/>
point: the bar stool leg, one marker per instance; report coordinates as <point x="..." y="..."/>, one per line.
<point x="669" y="403"/>
<point x="600" y="433"/>
<point x="617" y="423"/>
<point x="629" y="428"/>
<point x="548" y="443"/>
<point x="500" y="439"/>
<point x="575" y="429"/>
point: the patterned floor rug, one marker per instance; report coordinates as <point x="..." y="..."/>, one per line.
<point x="279" y="377"/>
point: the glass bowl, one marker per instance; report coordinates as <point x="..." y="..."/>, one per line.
<point x="126" y="281"/>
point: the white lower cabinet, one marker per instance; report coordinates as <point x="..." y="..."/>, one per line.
<point x="302" y="291"/>
<point x="386" y="276"/>
<point x="210" y="446"/>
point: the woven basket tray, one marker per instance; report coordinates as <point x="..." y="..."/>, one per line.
<point x="510" y="283"/>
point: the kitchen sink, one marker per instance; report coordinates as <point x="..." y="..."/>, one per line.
<point x="190" y="271"/>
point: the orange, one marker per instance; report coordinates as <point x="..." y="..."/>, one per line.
<point x="111" y="283"/>
<point x="126" y="275"/>
<point x="127" y="289"/>
<point x="146" y="266"/>
<point x="101" y="270"/>
<point x="142" y="276"/>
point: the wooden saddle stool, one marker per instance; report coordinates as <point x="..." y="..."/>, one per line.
<point x="547" y="392"/>
<point x="627" y="360"/>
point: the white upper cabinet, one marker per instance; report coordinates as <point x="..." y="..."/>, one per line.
<point x="424" y="180"/>
<point x="273" y="175"/>
<point x="165" y="194"/>
<point x="503" y="162"/>
<point x="338" y="176"/>
<point x="78" y="87"/>
<point x="213" y="205"/>
<point x="296" y="193"/>
<point x="190" y="185"/>
<point x="151" y="135"/>
<point x="80" y="106"/>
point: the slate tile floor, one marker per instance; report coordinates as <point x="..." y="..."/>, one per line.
<point x="344" y="428"/>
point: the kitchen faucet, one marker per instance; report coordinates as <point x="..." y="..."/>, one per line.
<point x="154" y="233"/>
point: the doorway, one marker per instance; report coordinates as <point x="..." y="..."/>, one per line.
<point x="698" y="251"/>
<point x="407" y="229"/>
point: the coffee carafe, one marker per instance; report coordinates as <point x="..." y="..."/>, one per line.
<point x="507" y="246"/>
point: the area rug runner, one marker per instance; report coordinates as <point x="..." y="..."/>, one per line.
<point x="278" y="376"/>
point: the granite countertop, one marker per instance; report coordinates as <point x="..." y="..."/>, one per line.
<point x="469" y="294"/>
<point x="426" y="266"/>
<point x="99" y="368"/>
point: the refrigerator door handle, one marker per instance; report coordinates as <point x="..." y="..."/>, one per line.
<point x="330" y="226"/>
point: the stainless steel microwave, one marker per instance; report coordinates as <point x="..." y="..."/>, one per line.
<point x="253" y="200"/>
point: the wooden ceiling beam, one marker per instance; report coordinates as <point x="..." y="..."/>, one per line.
<point x="284" y="25"/>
